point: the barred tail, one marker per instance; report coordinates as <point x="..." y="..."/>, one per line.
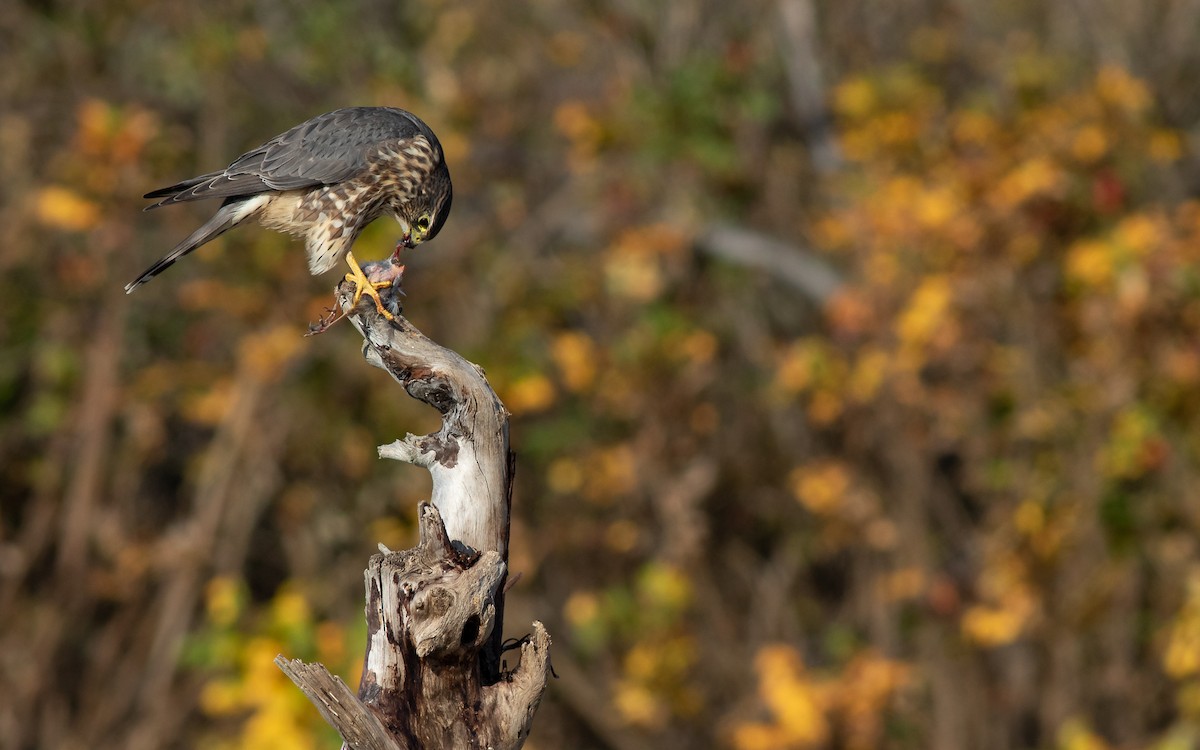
<point x="227" y="217"/>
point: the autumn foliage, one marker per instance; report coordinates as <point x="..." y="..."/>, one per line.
<point x="950" y="506"/>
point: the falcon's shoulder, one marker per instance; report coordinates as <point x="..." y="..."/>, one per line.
<point x="324" y="150"/>
<point x="328" y="148"/>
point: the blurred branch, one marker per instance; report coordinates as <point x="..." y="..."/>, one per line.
<point x="578" y="689"/>
<point x="799" y="268"/>
<point x="435" y="613"/>
<point x="1103" y="26"/>
<point x="97" y="405"/>
<point x="806" y="86"/>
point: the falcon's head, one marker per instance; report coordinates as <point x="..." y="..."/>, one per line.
<point x="422" y="217"/>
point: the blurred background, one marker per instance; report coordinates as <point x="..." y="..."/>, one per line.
<point x="852" y="349"/>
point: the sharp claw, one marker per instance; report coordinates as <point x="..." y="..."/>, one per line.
<point x="363" y="285"/>
<point x="370" y="291"/>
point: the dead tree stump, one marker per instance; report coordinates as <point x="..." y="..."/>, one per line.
<point x="431" y="675"/>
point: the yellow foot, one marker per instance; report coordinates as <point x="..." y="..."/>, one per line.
<point x="362" y="286"/>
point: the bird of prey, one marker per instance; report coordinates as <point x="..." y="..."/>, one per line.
<point x="325" y="180"/>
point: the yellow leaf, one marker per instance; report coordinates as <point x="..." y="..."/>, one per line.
<point x="1075" y="734"/>
<point x="793" y="699"/>
<point x="897" y="128"/>
<point x="211" y="406"/>
<point x="1091" y="143"/>
<point x="833" y="233"/>
<point x="1030" y="517"/>
<point x="390" y="531"/>
<point x="642" y="662"/>
<point x="581" y="608"/>
<point x="267" y="353"/>
<point x="825" y="407"/>
<point x="221" y="698"/>
<point x="529" y="395"/>
<point x="1118" y="88"/>
<point x="973" y="127"/>
<point x="795" y="373"/>
<point x="1181" y="658"/>
<point x="806" y="365"/>
<point x="573" y="120"/>
<point x="854" y="98"/>
<point x="994" y="626"/>
<point x="868" y="374"/>
<point x="638" y="705"/>
<point x="1140" y="234"/>
<point x="222" y="600"/>
<point x="289" y="608"/>
<point x="575" y="355"/>
<point x="277" y="729"/>
<point x="1129" y="453"/>
<point x="612" y="472"/>
<point x="759" y="737"/>
<point x="906" y="583"/>
<point x="926" y="311"/>
<point x="699" y="347"/>
<point x="62" y="208"/>
<point x="564" y="476"/>
<point x="638" y="277"/>
<point x="1188" y="700"/>
<point x="95" y="118"/>
<point x="820" y="487"/>
<point x="937" y="206"/>
<point x="865" y="688"/>
<point x="1090" y="263"/>
<point x="1165" y="146"/>
<point x="1035" y="177"/>
<point x="665" y="586"/>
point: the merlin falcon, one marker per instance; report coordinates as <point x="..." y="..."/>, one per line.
<point x="325" y="180"/>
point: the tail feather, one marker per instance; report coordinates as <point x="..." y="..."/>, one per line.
<point x="177" y="187"/>
<point x="222" y="221"/>
<point x="172" y="193"/>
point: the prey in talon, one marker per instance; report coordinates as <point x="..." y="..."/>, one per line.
<point x="386" y="275"/>
<point x="380" y="275"/>
<point x="325" y="180"/>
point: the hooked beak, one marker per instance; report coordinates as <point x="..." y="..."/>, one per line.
<point x="405" y="243"/>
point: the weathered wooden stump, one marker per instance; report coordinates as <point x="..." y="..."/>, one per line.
<point x="431" y="676"/>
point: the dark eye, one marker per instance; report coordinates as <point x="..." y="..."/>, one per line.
<point x="423" y="223"/>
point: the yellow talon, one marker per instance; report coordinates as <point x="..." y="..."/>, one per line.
<point x="362" y="286"/>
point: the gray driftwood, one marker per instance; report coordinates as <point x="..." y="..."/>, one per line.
<point x="432" y="674"/>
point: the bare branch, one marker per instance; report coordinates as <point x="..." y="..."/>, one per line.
<point x="468" y="456"/>
<point x="806" y="85"/>
<point x="801" y="269"/>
